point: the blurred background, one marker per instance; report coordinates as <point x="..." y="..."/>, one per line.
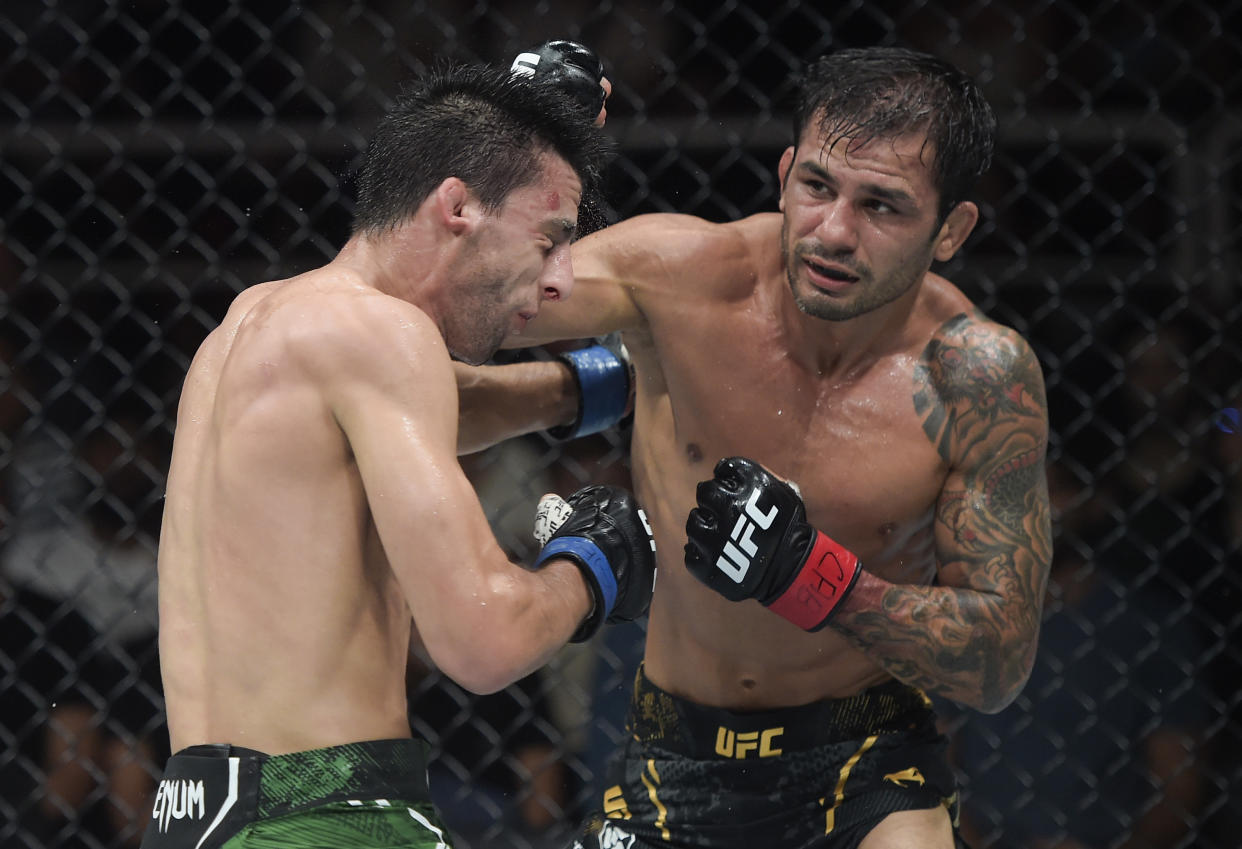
<point x="157" y="156"/>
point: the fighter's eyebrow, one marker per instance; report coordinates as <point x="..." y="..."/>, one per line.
<point x="561" y="229"/>
<point x="885" y="193"/>
<point x="818" y="171"/>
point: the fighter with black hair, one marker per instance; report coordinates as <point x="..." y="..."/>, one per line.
<point x="316" y="516"/>
<point x="797" y="630"/>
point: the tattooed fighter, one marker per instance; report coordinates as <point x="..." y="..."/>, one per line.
<point x="812" y="346"/>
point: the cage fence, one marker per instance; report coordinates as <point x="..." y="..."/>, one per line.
<point x="158" y="156"/>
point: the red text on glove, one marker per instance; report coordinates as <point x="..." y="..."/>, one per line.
<point x="829" y="571"/>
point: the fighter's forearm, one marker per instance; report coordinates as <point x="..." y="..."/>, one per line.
<point x="503" y="623"/>
<point x="500" y="402"/>
<point x="972" y="647"/>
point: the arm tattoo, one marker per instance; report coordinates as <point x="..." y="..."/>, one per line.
<point x="979" y="393"/>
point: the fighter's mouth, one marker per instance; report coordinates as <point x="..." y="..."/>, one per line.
<point x="832" y="272"/>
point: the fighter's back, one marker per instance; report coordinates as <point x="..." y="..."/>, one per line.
<point x="268" y="552"/>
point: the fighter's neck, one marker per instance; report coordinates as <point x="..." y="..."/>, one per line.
<point x="846" y="347"/>
<point x="402" y="263"/>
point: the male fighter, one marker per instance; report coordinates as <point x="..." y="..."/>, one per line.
<point x="813" y="346"/>
<point x="315" y="506"/>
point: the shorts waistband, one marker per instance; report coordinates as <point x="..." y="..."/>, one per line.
<point x="390" y="769"/>
<point x="674" y="724"/>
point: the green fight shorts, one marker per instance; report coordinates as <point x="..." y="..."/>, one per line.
<point x="817" y="776"/>
<point x="371" y="794"/>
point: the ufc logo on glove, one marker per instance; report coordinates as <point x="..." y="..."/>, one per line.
<point x="771" y="555"/>
<point x="740" y="548"/>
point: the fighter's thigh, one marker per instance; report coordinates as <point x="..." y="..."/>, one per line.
<point x="926" y="829"/>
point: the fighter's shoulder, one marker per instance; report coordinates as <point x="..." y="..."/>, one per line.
<point x="974" y="371"/>
<point x="337" y="327"/>
<point x="953" y="323"/>
<point x="685" y="249"/>
<point x="967" y="341"/>
<point x="677" y="227"/>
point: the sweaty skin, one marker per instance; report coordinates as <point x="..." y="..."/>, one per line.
<point x="915" y="430"/>
<point x="315" y="505"/>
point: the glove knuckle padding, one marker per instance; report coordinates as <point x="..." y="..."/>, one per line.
<point x="607" y="522"/>
<point x="571" y="67"/>
<point x="760" y="546"/>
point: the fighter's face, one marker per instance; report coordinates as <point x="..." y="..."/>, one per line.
<point x="518" y="257"/>
<point x="860" y="225"/>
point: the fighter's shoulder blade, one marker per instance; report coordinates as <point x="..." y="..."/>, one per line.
<point x="355" y="336"/>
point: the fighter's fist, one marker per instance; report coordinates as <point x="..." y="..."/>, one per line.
<point x="607" y="534"/>
<point x="549" y="516"/>
<point x="570" y="66"/>
<point x="748" y="538"/>
<point x="604" y="375"/>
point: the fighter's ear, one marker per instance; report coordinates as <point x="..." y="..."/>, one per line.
<point x="782" y="171"/>
<point x="957" y="226"/>
<point x="455" y="205"/>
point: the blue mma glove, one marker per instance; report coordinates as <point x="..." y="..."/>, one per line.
<point x="605" y="380"/>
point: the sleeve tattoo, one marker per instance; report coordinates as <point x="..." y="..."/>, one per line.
<point x="979" y="394"/>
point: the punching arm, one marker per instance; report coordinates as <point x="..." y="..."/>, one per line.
<point x="578" y="393"/>
<point x="972" y="636"/>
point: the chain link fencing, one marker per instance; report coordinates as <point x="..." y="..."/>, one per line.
<point x="157" y="156"/>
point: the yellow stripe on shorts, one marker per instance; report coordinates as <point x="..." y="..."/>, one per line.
<point x="662" y="812"/>
<point x="831" y="817"/>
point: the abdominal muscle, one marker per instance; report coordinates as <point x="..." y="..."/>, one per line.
<point x="741" y="656"/>
<point x="735" y="655"/>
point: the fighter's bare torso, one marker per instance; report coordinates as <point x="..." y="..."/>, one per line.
<point x="268" y="553"/>
<point x="840" y="424"/>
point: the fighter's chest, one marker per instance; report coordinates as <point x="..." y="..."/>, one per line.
<point x="854" y="444"/>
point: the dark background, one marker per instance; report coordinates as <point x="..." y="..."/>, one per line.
<point x="157" y="157"/>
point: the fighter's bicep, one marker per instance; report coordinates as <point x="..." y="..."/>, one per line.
<point x="992" y="532"/>
<point x="395" y="398"/>
<point x="981" y="399"/>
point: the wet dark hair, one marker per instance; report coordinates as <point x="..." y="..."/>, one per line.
<point x="866" y="93"/>
<point x="480" y="124"/>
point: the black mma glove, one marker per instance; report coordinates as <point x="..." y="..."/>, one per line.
<point x="605" y="379"/>
<point x="570" y="66"/>
<point x="749" y="539"/>
<point x="604" y="531"/>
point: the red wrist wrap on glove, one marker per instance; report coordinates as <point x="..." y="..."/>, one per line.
<point x="826" y="577"/>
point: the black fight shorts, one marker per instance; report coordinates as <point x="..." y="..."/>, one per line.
<point x="818" y="776"/>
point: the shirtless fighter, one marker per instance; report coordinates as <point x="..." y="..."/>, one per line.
<point x="812" y="346"/>
<point x="315" y="504"/>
